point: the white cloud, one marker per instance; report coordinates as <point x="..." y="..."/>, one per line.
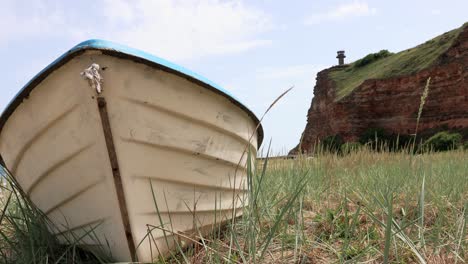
<point x="186" y="29"/>
<point x="173" y="29"/>
<point x="343" y="11"/>
<point x="292" y="72"/>
<point x="18" y="22"/>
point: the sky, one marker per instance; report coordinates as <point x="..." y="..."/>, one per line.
<point x="254" y="49"/>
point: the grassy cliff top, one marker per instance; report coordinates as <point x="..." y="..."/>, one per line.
<point x="385" y="64"/>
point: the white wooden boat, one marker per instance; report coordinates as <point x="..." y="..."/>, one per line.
<point x="99" y="147"/>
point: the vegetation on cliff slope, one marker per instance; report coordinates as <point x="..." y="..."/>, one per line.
<point x="402" y="63"/>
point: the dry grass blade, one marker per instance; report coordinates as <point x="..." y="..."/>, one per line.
<point x="268" y="110"/>
<point x="276" y="100"/>
<point x="192" y="240"/>
<point x="421" y="104"/>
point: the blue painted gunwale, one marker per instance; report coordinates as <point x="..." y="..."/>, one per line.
<point x="119" y="50"/>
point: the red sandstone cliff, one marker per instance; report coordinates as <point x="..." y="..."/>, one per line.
<point x="393" y="103"/>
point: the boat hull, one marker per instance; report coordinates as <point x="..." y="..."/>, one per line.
<point x="153" y="159"/>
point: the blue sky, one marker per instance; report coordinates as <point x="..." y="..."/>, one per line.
<point x="255" y="49"/>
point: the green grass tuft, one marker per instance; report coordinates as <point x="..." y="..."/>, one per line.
<point x="26" y="237"/>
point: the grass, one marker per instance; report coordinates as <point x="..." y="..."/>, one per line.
<point x="399" y="64"/>
<point x="373" y="207"/>
<point x="365" y="207"/>
<point x="25" y="235"/>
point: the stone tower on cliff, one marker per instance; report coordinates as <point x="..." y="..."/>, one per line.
<point x="340" y="56"/>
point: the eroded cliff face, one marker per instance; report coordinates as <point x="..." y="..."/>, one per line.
<point x="393" y="103"/>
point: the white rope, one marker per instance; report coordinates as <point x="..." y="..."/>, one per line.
<point x="93" y="77"/>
